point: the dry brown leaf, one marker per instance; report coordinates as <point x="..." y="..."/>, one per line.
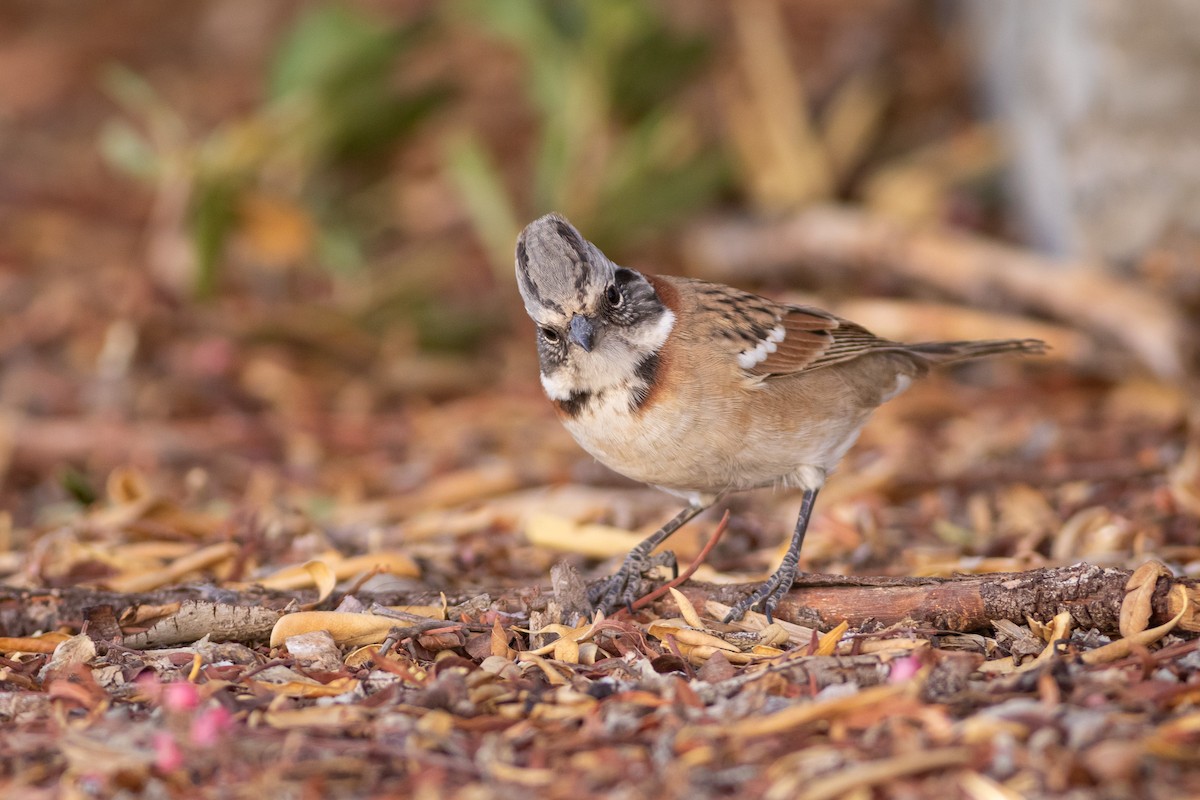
<point x="323" y="578"/>
<point x="1123" y="647"/>
<point x="500" y="642"/>
<point x="804" y="713"/>
<point x="302" y="576"/>
<point x="880" y="646"/>
<point x="1138" y="605"/>
<point x="77" y="649"/>
<point x="998" y="666"/>
<point x="687" y="610"/>
<point x="577" y="635"/>
<point x="827" y="644"/>
<point x="555" y="677"/>
<point x="754" y="621"/>
<point x="204" y="558"/>
<point x="874" y="773"/>
<point x="330" y="717"/>
<point x="1187" y="604"/>
<point x="773" y="635"/>
<point x="298" y="688"/>
<point x="565" y="535"/>
<point x="661" y="629"/>
<point x="566" y="651"/>
<point x="346" y="628"/>
<point x="43" y="643"/>
<point x="1175" y="739"/>
<point x="1059" y="629"/>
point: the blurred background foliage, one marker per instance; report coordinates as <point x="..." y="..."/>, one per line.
<point x="281" y="172"/>
<point x="628" y="116"/>
<point x="305" y="210"/>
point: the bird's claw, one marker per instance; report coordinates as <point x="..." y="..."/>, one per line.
<point x="768" y="594"/>
<point x="629" y="582"/>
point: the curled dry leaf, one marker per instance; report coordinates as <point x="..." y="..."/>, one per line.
<point x="1123" y="647"/>
<point x="1059" y="629"/>
<point x="827" y="644"/>
<point x="773" y="635"/>
<point x="552" y="674"/>
<point x="302" y="576"/>
<point x="500" y="642"/>
<point x="304" y="688"/>
<point x="688" y="636"/>
<point x="1137" y="606"/>
<point x="323" y="578"/>
<point x="686" y="609"/>
<point x="578" y="635"/>
<point x="698" y="646"/>
<point x="754" y="621"/>
<point x="566" y="651"/>
<point x="1185" y="604"/>
<point x="352" y="629"/>
<point x="78" y="649"/>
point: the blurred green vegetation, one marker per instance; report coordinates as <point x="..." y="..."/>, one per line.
<point x="330" y="108"/>
<point x="615" y="149"/>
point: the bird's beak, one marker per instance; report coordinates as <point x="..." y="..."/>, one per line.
<point x="583" y="332"/>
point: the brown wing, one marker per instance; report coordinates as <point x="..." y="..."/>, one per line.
<point x="769" y="338"/>
<point x="814" y="338"/>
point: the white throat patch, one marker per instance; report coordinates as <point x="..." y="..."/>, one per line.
<point x="614" y="362"/>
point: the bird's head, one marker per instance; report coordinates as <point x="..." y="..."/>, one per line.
<point x="595" y="320"/>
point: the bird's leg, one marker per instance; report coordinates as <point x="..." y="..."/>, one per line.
<point x="776" y="586"/>
<point x="625" y="586"/>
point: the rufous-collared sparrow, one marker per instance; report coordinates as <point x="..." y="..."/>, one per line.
<point x="701" y="389"/>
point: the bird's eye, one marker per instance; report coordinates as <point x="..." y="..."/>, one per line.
<point x="614" y="296"/>
<point x="550" y="335"/>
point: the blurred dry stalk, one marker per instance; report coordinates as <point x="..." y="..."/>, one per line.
<point x="791" y="156"/>
<point x="786" y="162"/>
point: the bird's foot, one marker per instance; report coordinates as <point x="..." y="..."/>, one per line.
<point x="769" y="594"/>
<point x="630" y="581"/>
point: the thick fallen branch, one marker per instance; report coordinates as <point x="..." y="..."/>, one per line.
<point x="1093" y="595"/>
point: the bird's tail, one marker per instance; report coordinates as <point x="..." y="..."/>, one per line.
<point x="946" y="352"/>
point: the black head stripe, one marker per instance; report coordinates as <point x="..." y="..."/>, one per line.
<point x="572" y="238"/>
<point x="522" y="256"/>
